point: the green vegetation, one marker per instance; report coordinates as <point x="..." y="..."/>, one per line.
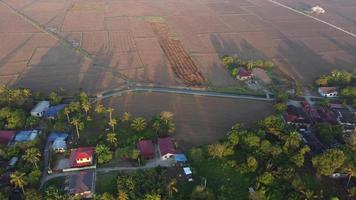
<point x="346" y="81"/>
<point x="232" y="63"/>
<point x="273" y="161"/>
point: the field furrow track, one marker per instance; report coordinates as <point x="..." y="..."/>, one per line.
<point x="182" y="64"/>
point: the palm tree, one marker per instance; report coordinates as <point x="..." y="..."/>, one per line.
<point x="126" y="117"/>
<point x="138" y="124"/>
<point x="172" y="187"/>
<point x="77" y="123"/>
<point x="110" y="110"/>
<point x="67" y="112"/>
<point x="86" y="107"/>
<point x="166" y="116"/>
<point x="17" y="179"/>
<point x="351" y="173"/>
<point x="32" y="155"/>
<point x="99" y="108"/>
<point x="111" y="139"/>
<point x="113" y="123"/>
<point x="122" y="195"/>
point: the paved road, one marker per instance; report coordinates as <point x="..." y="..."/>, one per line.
<point x="186" y="91"/>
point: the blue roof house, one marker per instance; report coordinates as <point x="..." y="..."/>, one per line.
<point x="180" y="158"/>
<point x="25" y="136"/>
<point x="57" y="135"/>
<point x="53" y="111"/>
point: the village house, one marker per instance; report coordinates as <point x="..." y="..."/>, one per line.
<point x="166" y="148"/>
<point x="58" y="141"/>
<point x="344" y="117"/>
<point x="243" y="74"/>
<point x="180" y="159"/>
<point x="296" y="117"/>
<point x="146" y="149"/>
<point x="81" y="157"/>
<point x="330" y="92"/>
<point x="40" y="109"/>
<point x="81" y="184"/>
<point x="26" y="136"/>
<point x="53" y="111"/>
<point x="6" y="137"/>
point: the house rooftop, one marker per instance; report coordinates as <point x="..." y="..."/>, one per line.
<point x="53" y="111"/>
<point x="166" y="145"/>
<point x="41" y="106"/>
<point x="187" y="170"/>
<point x="242" y="72"/>
<point x="327" y="90"/>
<point x="59" y="144"/>
<point x="145" y="147"/>
<point x="180" y="158"/>
<point x="6" y="137"/>
<point x="24" y="136"/>
<point x="82" y="183"/>
<point x="79" y="153"/>
<point x="55" y="135"/>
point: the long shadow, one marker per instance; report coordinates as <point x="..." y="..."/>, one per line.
<point x="243" y="50"/>
<point x="347" y="47"/>
<point x="52" y="69"/>
<point x="306" y="63"/>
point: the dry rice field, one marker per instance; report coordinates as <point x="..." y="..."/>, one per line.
<point x="116" y="41"/>
<point x="199" y="120"/>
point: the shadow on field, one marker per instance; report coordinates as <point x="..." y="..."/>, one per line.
<point x="243" y="50"/>
<point x="304" y="61"/>
<point x="59" y="67"/>
<point x="350" y="49"/>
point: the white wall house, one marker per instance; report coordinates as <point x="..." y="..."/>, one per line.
<point x="40" y="109"/>
<point x="328" y="91"/>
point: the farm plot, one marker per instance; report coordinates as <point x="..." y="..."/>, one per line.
<point x="182" y="64"/>
<point x="91" y="20"/>
<point x="96" y="42"/>
<point x="121" y="42"/>
<point x="117" y="24"/>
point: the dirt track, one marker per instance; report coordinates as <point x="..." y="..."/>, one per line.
<point x="199" y="120"/>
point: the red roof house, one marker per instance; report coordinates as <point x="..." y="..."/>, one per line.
<point x="146" y="149"/>
<point x="243" y="74"/>
<point x="166" y="147"/>
<point x="6" y="137"/>
<point x="81" y="157"/>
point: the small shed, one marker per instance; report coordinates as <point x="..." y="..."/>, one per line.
<point x="40" y="108"/>
<point x="188" y="173"/>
